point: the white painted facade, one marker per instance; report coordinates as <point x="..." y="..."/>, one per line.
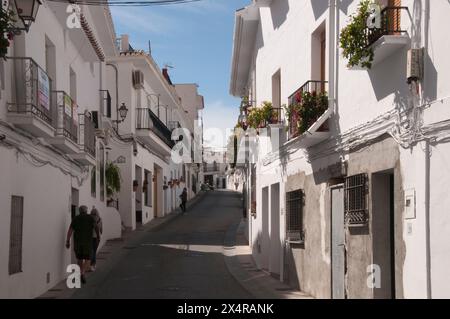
<point x="46" y="174"/>
<point x="141" y="142"/>
<point x="280" y="36"/>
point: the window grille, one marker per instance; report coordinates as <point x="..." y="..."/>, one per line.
<point x="356" y="192"/>
<point x="15" y="240"/>
<point x="294" y="216"/>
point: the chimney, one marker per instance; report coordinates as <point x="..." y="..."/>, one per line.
<point x="124" y="43"/>
<point x="165" y="73"/>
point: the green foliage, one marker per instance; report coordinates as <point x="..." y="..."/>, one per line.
<point x="261" y="116"/>
<point x="307" y="110"/>
<point x="353" y="38"/>
<point x="113" y="179"/>
<point x="6" y="24"/>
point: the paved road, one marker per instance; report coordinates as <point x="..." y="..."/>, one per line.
<point x="183" y="259"/>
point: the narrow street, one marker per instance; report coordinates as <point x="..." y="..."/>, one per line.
<point x="183" y="259"/>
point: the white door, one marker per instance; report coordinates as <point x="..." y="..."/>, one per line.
<point x="337" y="243"/>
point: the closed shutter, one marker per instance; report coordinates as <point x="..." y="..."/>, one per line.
<point x="394" y="16"/>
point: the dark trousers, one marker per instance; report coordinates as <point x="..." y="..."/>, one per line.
<point x="95" y="244"/>
<point x="183" y="206"/>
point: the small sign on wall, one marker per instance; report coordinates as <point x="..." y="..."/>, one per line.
<point x="410" y="204"/>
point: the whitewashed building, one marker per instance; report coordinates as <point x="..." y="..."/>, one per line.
<point x="157" y="115"/>
<point x="360" y="196"/>
<point x="52" y="82"/>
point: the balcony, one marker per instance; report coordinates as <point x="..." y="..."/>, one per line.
<point x="65" y="118"/>
<point x="390" y="37"/>
<point x="86" y="138"/>
<point x="153" y="131"/>
<point x="32" y="108"/>
<point x="308" y="114"/>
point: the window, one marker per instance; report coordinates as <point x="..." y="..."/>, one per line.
<point x="356" y="192"/>
<point x="15" y="239"/>
<point x="294" y="216"/>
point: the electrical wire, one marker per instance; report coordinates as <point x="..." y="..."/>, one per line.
<point x="125" y="3"/>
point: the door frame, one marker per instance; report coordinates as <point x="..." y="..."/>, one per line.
<point x="331" y="189"/>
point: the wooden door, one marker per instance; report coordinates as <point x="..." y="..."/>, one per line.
<point x="394" y="16"/>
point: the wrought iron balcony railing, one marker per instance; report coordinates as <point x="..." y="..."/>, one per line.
<point x="147" y="120"/>
<point x="390" y="24"/>
<point x="87" y="133"/>
<point x="32" y="90"/>
<point x="312" y="106"/>
<point x="66" y="116"/>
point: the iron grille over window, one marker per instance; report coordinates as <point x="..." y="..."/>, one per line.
<point x="294" y="216"/>
<point x="356" y="212"/>
<point x="15" y="239"/>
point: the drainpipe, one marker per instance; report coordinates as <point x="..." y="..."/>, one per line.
<point x="331" y="55"/>
<point x="117" y="93"/>
<point x="427" y="218"/>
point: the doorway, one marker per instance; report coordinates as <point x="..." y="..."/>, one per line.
<point x="383" y="234"/>
<point x="75" y="204"/>
<point x="138" y="196"/>
<point x="275" y="242"/>
<point x="337" y="243"/>
<point x="265" y="239"/>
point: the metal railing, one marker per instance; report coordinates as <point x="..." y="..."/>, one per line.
<point x="32" y="90"/>
<point x="87" y="133"/>
<point x="147" y="120"/>
<point x="105" y="106"/>
<point x="313" y="87"/>
<point x="66" y="116"/>
<point x="390" y="24"/>
<point x="277" y="116"/>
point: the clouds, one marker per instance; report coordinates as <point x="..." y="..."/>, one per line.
<point x="218" y="119"/>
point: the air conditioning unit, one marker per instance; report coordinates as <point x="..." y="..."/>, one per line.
<point x="415" y="65"/>
<point x="138" y="79"/>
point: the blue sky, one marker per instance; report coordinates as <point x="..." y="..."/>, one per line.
<point x="196" y="39"/>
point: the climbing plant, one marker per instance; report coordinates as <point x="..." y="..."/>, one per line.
<point x="6" y="36"/>
<point x="113" y="179"/>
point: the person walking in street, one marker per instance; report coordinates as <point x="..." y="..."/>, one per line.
<point x="82" y="227"/>
<point x="95" y="239"/>
<point x="183" y="197"/>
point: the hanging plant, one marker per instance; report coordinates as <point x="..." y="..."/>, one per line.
<point x="7" y="21"/>
<point x="353" y="38"/>
<point x="113" y="179"/>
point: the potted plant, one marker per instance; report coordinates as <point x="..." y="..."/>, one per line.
<point x="354" y="41"/>
<point x="305" y="111"/>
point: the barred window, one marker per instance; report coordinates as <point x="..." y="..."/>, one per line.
<point x="15" y="239"/>
<point x="294" y="216"/>
<point x="356" y="192"/>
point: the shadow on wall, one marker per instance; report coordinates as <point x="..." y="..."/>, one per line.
<point x="395" y="66"/>
<point x="320" y="6"/>
<point x="290" y="269"/>
<point x="279" y="11"/>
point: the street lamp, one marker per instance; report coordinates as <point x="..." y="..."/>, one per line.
<point x="243" y="120"/>
<point x="122" y="112"/>
<point x="27" y="11"/>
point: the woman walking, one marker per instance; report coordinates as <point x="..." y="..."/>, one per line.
<point x="95" y="240"/>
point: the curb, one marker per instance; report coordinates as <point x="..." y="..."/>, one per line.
<point x="258" y="283"/>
